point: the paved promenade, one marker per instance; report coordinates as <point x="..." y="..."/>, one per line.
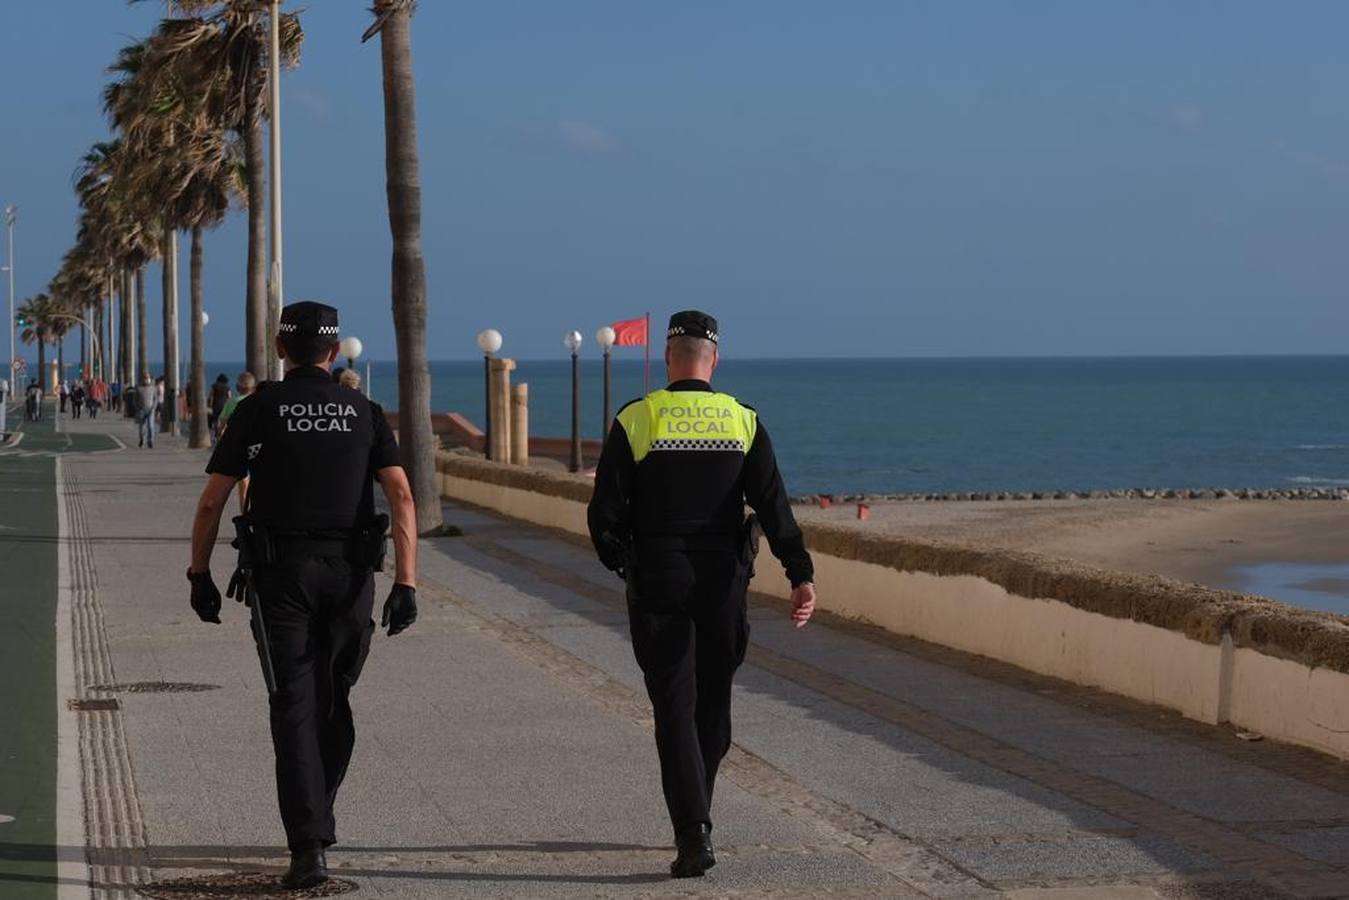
<point x="504" y="743"/>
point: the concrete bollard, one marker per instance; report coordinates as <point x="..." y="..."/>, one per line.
<point x="501" y="408"/>
<point x="520" y="424"/>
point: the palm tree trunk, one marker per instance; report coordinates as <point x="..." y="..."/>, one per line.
<point x="169" y="254"/>
<point x="102" y="339"/>
<point x="417" y="442"/>
<point x="127" y="356"/>
<point x="84" y="339"/>
<point x="197" y="380"/>
<point x="42" y="360"/>
<point x="255" y="328"/>
<point x="142" y="328"/>
<point x="60" y="359"/>
<point x="114" y="323"/>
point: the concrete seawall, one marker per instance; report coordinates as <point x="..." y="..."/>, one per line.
<point x="1214" y="656"/>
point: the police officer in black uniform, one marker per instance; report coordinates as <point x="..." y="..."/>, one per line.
<point x="313" y="450"/>
<point x="668" y="514"/>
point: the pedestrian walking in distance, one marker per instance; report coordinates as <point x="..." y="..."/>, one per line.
<point x="147" y="403"/>
<point x="668" y="515"/>
<point x="309" y="543"/>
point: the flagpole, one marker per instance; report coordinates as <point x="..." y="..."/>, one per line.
<point x="647" y="346"/>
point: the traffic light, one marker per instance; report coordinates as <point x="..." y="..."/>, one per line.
<point x="21" y="320"/>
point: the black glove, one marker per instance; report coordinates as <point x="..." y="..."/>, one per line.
<point x="614" y="555"/>
<point x="400" y="610"/>
<point x="205" y="597"/>
<point x="238" y="587"/>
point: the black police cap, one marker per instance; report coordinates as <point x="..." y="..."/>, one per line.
<point x="692" y="323"/>
<point x="309" y="319"/>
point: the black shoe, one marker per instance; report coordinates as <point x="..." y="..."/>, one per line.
<point x="694" y="844"/>
<point x="307" y="868"/>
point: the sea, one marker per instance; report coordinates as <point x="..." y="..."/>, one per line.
<point x="878" y="426"/>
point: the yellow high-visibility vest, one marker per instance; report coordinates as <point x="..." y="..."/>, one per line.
<point x="667" y="420"/>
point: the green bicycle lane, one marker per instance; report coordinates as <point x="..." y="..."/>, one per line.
<point x="29" y="547"/>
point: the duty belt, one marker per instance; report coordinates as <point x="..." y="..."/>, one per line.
<point x="715" y="541"/>
<point x="363" y="546"/>
<point x="300" y="544"/>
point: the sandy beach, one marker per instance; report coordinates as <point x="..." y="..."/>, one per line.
<point x="1209" y="542"/>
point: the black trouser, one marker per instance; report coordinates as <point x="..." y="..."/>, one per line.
<point x="317" y="611"/>
<point x="689" y="633"/>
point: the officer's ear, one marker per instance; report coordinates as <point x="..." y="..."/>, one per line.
<point x="716" y="357"/>
<point x="280" y="349"/>
<point x="333" y="351"/>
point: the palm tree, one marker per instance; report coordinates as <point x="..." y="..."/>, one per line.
<point x="393" y="24"/>
<point x="36" y="321"/>
<point x="77" y="288"/>
<point x="117" y="229"/>
<point x="226" y="42"/>
<point x="145" y="102"/>
<point x="172" y="106"/>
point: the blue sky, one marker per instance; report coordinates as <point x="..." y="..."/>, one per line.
<point x="887" y="178"/>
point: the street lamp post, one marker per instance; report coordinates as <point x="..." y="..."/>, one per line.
<point x="351" y="348"/>
<point x="489" y="342"/>
<point x="572" y="341"/>
<point x="605" y="337"/>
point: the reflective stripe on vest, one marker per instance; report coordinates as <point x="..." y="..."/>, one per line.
<point x="687" y="420"/>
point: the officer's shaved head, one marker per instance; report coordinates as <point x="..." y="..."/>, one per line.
<point x="690" y="357"/>
<point x="691" y="350"/>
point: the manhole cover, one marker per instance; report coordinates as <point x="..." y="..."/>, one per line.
<point x="94" y="704"/>
<point x="232" y="886"/>
<point x="156" y="687"/>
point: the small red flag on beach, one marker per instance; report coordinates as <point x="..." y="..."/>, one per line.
<point x="636" y="333"/>
<point x="631" y="332"/>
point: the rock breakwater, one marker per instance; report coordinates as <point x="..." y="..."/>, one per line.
<point x="1305" y="493"/>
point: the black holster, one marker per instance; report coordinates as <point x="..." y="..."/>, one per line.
<point x="749" y="542"/>
<point x="374" y="542"/>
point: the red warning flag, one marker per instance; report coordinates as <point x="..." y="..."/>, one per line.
<point x="631" y="332"/>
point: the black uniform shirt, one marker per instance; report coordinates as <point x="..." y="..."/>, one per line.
<point x="693" y="493"/>
<point x="311" y="448"/>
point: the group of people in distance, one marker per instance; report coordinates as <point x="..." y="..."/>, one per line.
<point x="146" y="402"/>
<point x="84" y="394"/>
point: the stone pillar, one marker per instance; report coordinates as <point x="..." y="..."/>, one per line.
<point x="501" y="409"/>
<point x="520" y="424"/>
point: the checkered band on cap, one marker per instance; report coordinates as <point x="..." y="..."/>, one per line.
<point x="309" y="318"/>
<point x="723" y="444"/>
<point x="680" y="330"/>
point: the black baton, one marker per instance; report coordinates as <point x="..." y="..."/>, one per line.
<point x="259" y="626"/>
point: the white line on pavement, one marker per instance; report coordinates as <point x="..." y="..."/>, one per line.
<point x="72" y="865"/>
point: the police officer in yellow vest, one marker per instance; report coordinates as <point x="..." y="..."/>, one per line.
<point x="668" y="514"/>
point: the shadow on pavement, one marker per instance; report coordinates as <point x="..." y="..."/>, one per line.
<point x="224" y="858"/>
